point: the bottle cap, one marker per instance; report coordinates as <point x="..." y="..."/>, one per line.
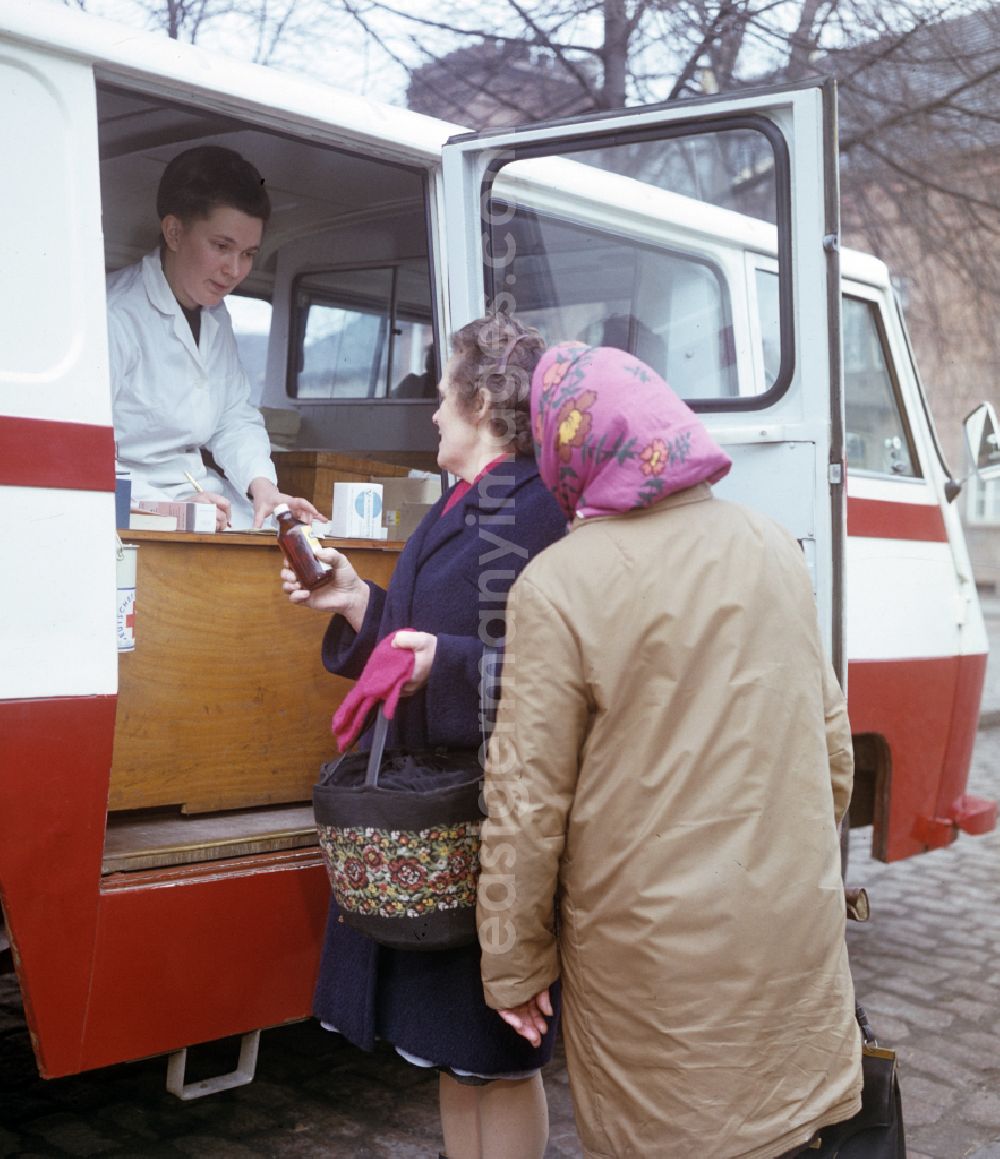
<point x="280" y="509"/>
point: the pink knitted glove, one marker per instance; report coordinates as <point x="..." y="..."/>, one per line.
<point x="383" y="677"/>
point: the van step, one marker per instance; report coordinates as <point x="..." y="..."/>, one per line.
<point x="240" y="1077"/>
<point x="153" y="840"/>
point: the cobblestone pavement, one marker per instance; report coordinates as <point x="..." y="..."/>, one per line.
<point x="927" y="968"/>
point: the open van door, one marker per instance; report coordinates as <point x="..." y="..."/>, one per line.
<point x="652" y="229"/>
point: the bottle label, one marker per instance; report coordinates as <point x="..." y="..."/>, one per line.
<point x="314" y="545"/>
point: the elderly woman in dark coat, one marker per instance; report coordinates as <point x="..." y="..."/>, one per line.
<point x="450" y="586"/>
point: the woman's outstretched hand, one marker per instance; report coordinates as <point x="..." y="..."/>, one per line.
<point x="345" y="595"/>
<point x="265" y="497"/>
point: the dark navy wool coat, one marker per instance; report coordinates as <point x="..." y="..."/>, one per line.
<point x="452" y="579"/>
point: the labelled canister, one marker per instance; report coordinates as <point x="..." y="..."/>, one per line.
<point x="125" y="598"/>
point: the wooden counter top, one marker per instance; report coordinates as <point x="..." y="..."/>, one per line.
<point x="255" y="539"/>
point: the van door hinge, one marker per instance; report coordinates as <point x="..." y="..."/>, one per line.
<point x="831" y="243"/>
<point x="835" y="474"/>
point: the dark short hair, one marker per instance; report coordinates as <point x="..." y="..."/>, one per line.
<point x="207" y="178"/>
<point x="498" y="355"/>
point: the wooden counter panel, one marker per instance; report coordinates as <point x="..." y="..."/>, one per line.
<point x="224" y="703"/>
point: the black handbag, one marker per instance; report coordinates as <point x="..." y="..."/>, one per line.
<point x="400" y="833"/>
<point x="876" y="1131"/>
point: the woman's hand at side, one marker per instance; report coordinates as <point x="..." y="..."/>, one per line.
<point x="424" y="647"/>
<point x="529" y="1019"/>
<point x="345" y="595"/>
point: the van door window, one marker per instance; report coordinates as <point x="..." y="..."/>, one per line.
<point x="606" y="269"/>
<point x="877" y="436"/>
<point x="669" y="308"/>
<point x="363" y="333"/>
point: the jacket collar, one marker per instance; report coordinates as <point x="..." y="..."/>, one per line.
<point x="161" y="298"/>
<point x="492" y="498"/>
<point x="497" y="486"/>
<point x="699" y="493"/>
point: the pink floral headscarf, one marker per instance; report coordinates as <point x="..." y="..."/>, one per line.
<point x="611" y="436"/>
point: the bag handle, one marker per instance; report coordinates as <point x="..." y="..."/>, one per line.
<point x="867" y="1034"/>
<point x="489" y="675"/>
<point x="378" y="746"/>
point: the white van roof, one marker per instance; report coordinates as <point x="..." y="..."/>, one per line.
<point x="277" y="99"/>
<point x="123" y="54"/>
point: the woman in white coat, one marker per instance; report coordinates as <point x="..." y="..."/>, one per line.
<point x="176" y="378"/>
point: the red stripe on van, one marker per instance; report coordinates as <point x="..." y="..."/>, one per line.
<point x="40" y="453"/>
<point x="882" y="519"/>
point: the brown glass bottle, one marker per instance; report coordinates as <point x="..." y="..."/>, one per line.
<point x="295" y="540"/>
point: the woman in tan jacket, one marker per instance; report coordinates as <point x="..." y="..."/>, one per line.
<point x="671" y="760"/>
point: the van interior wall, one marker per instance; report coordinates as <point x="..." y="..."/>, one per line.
<point x="394" y="430"/>
<point x="330" y="208"/>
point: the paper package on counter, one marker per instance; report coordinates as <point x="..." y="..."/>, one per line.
<point x="357" y="511"/>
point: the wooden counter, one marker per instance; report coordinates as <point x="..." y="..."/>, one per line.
<point x="224" y="703"/>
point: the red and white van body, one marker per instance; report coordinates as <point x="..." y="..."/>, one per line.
<point x="124" y="966"/>
<point x="916" y="641"/>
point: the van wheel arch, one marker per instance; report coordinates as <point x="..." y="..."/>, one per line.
<point x="870" y="795"/>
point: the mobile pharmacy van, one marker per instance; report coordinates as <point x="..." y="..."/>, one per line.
<point x="160" y="880"/>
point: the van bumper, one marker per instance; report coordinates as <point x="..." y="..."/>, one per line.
<point x="969" y="814"/>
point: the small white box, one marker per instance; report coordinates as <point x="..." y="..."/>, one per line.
<point x="357" y="511"/>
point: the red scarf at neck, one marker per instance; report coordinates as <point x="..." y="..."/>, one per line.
<point x="462" y="488"/>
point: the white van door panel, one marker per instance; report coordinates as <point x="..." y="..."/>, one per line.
<point x="56" y="441"/>
<point x="641" y="229"/>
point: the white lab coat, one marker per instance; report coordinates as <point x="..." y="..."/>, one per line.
<point x="170" y="398"/>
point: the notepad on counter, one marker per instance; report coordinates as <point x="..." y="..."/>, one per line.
<point x="151" y="521"/>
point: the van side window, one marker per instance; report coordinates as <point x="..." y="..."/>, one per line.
<point x="363" y="333"/>
<point x="877" y="436"/>
<point x="770" y="326"/>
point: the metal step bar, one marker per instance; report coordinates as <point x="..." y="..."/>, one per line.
<point x="240" y="1077"/>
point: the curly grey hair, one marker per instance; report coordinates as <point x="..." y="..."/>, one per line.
<point x="497" y="354"/>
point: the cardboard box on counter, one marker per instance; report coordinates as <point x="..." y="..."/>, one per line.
<point x="402" y="522"/>
<point x="406" y="501"/>
<point x="312" y="474"/>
